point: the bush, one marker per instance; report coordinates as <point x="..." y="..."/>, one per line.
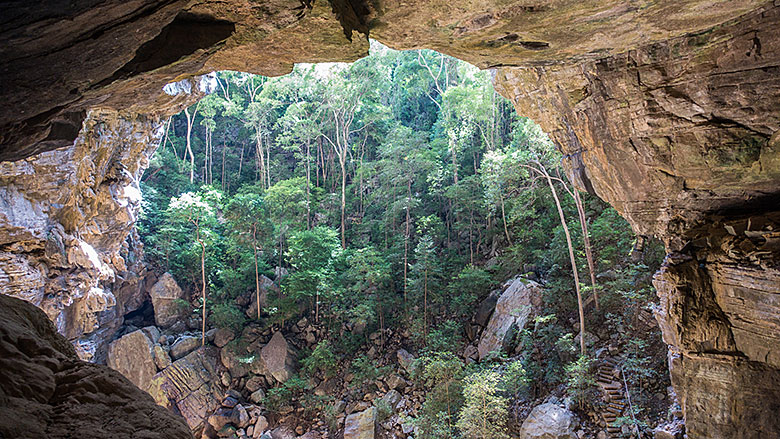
<point x="284" y="394"/>
<point x="321" y="360"/>
<point x="227" y="315"/>
<point x="579" y="380"/>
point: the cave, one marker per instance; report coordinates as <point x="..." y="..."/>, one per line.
<point x="669" y="111"/>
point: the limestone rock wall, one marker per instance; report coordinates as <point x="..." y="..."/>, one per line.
<point x="66" y="227"/>
<point x="46" y="391"/>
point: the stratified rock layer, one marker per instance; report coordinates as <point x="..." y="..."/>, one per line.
<point x="190" y="386"/>
<point x="669" y="110"/>
<point x="47" y="392"/>
<point x="66" y="222"/>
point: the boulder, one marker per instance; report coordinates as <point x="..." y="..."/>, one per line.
<point x="233" y="362"/>
<point x="549" y="421"/>
<point x="131" y="355"/>
<point x="161" y="358"/>
<point x="257" y="396"/>
<point x="520" y="299"/>
<point x="261" y="425"/>
<point x="164" y="294"/>
<point x="278" y="358"/>
<point x="223" y="336"/>
<point x="190" y="386"/>
<point x="361" y="425"/>
<point x="184" y="345"/>
<point x="406" y="360"/>
<point x="391" y="398"/>
<point x="282" y="432"/>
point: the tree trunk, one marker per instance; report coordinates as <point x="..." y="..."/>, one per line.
<point x="203" y="279"/>
<point x="571" y="258"/>
<point x="425" y="307"/>
<point x="503" y="218"/>
<point x="257" y="273"/>
<point x="588" y="248"/>
<point x="190" y="121"/>
<point x="342" y="162"/>
<point x="406" y="246"/>
<point x="308" y="185"/>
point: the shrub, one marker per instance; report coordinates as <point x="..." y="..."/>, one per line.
<point x="579" y="380"/>
<point x="321" y="360"/>
<point x="227" y="315"/>
<point x="284" y="394"/>
<point x="484" y="412"/>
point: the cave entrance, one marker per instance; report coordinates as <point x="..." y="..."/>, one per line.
<point x="141" y="317"/>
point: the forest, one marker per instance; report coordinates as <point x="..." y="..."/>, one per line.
<point x="392" y="196"/>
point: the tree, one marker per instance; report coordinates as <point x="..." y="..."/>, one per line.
<point x="484" y="412"/>
<point x="248" y="217"/>
<point x="311" y="256"/>
<point x="197" y="209"/>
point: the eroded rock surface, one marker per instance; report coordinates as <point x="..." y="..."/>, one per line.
<point x="517" y="303"/>
<point x="66" y="222"/>
<point x="190" y="386"/>
<point x="668" y="110"/>
<point x="48" y="392"/>
<point x="132" y="356"/>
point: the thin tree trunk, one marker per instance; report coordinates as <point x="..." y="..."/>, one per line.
<point x="425" y="307"/>
<point x="342" y="162"/>
<point x="257" y="273"/>
<point x="240" y="161"/>
<point x="203" y="279"/>
<point x="190" y="121"/>
<point x="503" y="218"/>
<point x="406" y="245"/>
<point x="308" y="185"/>
<point x="571" y="257"/>
<point x="586" y="241"/>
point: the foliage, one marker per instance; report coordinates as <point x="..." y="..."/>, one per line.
<point x="320" y="360"/>
<point x="484" y="411"/>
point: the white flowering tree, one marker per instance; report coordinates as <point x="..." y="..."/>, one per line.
<point x="198" y="211"/>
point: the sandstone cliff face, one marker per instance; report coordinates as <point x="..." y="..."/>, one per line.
<point x="681" y="137"/>
<point x="121" y="53"/>
<point x="48" y="392"/>
<point x="65" y="227"/>
<point x="668" y="110"/>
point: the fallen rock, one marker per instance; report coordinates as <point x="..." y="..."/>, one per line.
<point x="161" y="358"/>
<point x="165" y="294"/>
<point x="223" y="336"/>
<point x="190" y="386"/>
<point x="131" y="355"/>
<point x="549" y="421"/>
<point x="236" y="364"/>
<point x="361" y="425"/>
<point x="282" y="432"/>
<point x="406" y="360"/>
<point x="257" y="396"/>
<point x="184" y="345"/>
<point x="513" y="309"/>
<point x="278" y="358"/>
<point x="391" y="398"/>
<point x="261" y="425"/>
